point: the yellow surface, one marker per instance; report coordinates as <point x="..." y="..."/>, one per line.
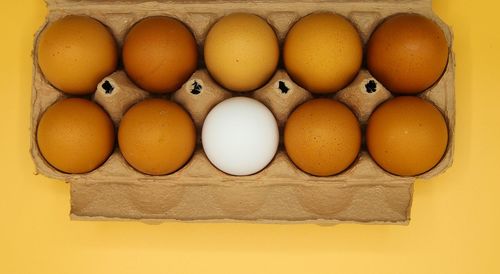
<point x="455" y="218"/>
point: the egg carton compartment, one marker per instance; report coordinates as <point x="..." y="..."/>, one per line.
<point x="279" y="193"/>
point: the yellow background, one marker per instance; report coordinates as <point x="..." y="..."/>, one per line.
<point x="455" y="223"/>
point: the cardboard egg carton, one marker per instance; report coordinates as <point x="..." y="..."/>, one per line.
<point x="279" y="193"/>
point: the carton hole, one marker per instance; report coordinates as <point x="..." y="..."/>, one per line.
<point x="371" y="86"/>
<point x="108" y="87"/>
<point x="283" y="87"/>
<point x="196" y="88"/>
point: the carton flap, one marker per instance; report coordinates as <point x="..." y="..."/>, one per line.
<point x="241" y="203"/>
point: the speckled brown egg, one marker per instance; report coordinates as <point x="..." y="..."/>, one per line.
<point x="75" y="135"/>
<point x="156" y="136"/>
<point x="407" y="136"/>
<point x="160" y="54"/>
<point x="407" y="53"/>
<point x="75" y="53"/>
<point x="322" y="137"/>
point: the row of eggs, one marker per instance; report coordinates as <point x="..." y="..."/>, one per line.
<point x="405" y="136"/>
<point x="322" y="52"/>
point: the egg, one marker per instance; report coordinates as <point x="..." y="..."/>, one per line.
<point x="159" y="54"/>
<point x="407" y="136"/>
<point x="322" y="137"/>
<point x="241" y="52"/>
<point x="75" y="53"/>
<point x="240" y="136"/>
<point x="156" y="136"/>
<point x="323" y="52"/>
<point x="407" y="53"/>
<point x="75" y="135"/>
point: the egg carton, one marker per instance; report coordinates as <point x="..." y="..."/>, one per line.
<point x="279" y="193"/>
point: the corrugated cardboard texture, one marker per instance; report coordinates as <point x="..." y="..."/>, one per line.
<point x="279" y="193"/>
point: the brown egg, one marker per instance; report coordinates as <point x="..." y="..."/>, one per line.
<point x="157" y="136"/>
<point x="75" y="135"/>
<point x="241" y="52"/>
<point x="407" y="136"/>
<point x="323" y="52"/>
<point x="407" y="53"/>
<point x="75" y="53"/>
<point x="322" y="137"/>
<point x="160" y="54"/>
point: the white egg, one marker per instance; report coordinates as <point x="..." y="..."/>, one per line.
<point x="240" y="136"/>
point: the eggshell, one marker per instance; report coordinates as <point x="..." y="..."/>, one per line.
<point x="407" y="53"/>
<point x="240" y="136"/>
<point x="160" y="54"/>
<point x="322" y="137"/>
<point x="157" y="136"/>
<point x="323" y="52"/>
<point x="407" y="135"/>
<point x="75" y="53"/>
<point x="241" y="52"/>
<point x="75" y="135"/>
